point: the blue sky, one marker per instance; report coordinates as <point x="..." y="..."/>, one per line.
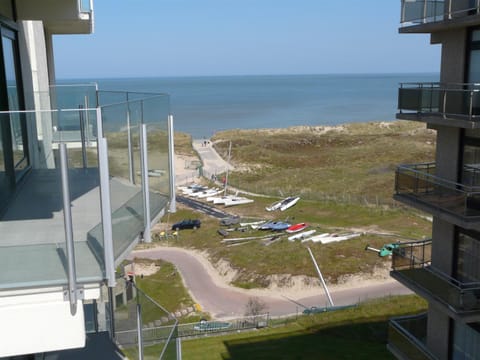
<point x="141" y="38"/>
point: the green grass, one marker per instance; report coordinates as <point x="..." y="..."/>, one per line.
<point x="165" y="287"/>
<point x="357" y="333"/>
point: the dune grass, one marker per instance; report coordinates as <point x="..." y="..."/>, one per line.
<point x="354" y="161"/>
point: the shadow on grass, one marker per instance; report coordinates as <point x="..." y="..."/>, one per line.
<point x="346" y="341"/>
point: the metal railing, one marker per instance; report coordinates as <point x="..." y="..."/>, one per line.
<point x="418" y="182"/>
<point x="416" y="12"/>
<point x="134" y="331"/>
<point x="458" y="101"/>
<point x="412" y="262"/>
<point x="407" y="337"/>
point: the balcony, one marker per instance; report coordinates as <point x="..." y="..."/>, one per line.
<point x="425" y="16"/>
<point x="407" y="338"/>
<point x="59" y="16"/>
<point x="112" y="141"/>
<point x="411" y="264"/>
<point x="455" y="105"/>
<point x="417" y="186"/>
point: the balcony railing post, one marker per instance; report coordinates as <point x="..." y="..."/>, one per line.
<point x="444" y="110"/>
<point x="68" y="225"/>
<point x="402" y="15"/>
<point x="145" y="183"/>
<point x="105" y="203"/>
<point x="424" y="11"/>
<point x="171" y="164"/>
<point x="139" y="332"/>
<point x="450" y="9"/>
<point x="470" y="108"/>
<point x="131" y="165"/>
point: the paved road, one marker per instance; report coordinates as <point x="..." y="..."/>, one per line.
<point x="227" y="302"/>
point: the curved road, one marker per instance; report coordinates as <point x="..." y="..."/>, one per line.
<point x="223" y="301"/>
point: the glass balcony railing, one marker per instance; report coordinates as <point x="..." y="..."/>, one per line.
<point x="415" y="12"/>
<point x="33" y="241"/>
<point x="445" y="101"/>
<point x="418" y="186"/>
<point x="412" y="263"/>
<point x="407" y="337"/>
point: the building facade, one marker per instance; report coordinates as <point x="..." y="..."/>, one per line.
<point x="446" y="269"/>
<point x="83" y="175"/>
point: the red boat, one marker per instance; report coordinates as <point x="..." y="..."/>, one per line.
<point x="296" y="228"/>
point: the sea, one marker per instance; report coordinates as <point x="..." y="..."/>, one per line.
<point x="204" y="105"/>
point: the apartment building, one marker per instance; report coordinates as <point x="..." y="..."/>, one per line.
<point x="446" y="269"/>
<point x="83" y="174"/>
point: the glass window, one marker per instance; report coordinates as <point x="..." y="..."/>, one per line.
<point x="466" y="341"/>
<point x="468" y="257"/>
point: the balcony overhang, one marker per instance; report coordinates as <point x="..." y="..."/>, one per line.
<point x="407" y="337"/>
<point x="466" y="222"/>
<point x="58" y="16"/>
<point x="439" y="119"/>
<point x="405" y="279"/>
<point x="412" y="266"/>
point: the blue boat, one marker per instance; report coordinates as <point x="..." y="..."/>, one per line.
<point x="275" y="226"/>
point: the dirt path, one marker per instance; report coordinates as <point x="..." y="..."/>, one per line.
<point x="209" y="289"/>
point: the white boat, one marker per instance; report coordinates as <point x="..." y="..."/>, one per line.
<point x="253" y="223"/>
<point x="237" y="201"/>
<point x="206" y="193"/>
<point x="283" y="204"/>
<point x="289" y="202"/>
<point x="301" y="235"/>
<point x="337" y="238"/>
<point x="221" y="200"/>
<point x="316" y="238"/>
<point x="275" y="206"/>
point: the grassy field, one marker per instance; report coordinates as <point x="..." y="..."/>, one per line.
<point x="358" y="333"/>
<point x="255" y="262"/>
<point x="354" y="161"/>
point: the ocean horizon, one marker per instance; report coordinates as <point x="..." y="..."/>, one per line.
<point x="204" y="105"/>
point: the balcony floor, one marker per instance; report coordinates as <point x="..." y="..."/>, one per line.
<point x="33" y="237"/>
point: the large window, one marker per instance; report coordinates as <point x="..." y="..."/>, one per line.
<point x="14" y="158"/>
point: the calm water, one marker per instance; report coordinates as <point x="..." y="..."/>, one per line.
<point x="204" y="105"/>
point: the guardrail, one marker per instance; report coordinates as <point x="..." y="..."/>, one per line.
<point x="407" y="337"/>
<point x="412" y="262"/>
<point x="415" y="12"/>
<point x="459" y="101"/>
<point x="418" y="182"/>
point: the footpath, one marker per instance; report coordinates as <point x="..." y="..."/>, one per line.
<point x="214" y="164"/>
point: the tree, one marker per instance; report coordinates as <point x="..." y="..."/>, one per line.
<point x="255" y="306"/>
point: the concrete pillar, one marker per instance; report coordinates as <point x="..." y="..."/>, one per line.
<point x="34" y="64"/>
<point x="438" y="326"/>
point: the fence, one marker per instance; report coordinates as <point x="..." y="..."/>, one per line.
<point x="157" y="334"/>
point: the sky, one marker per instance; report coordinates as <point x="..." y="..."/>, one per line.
<point x="152" y="38"/>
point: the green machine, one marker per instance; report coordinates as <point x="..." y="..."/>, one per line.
<point x="386" y="249"/>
